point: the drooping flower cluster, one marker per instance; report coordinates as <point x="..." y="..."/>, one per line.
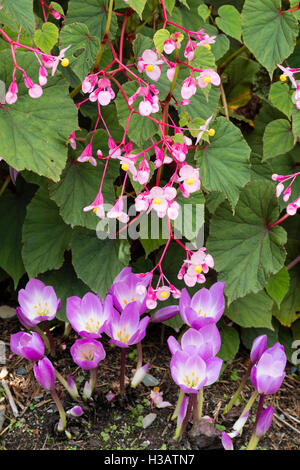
<point x="292" y="207"/>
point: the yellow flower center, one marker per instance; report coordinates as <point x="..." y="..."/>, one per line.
<point x="123" y="336"/>
<point x="283" y="78"/>
<point x="65" y="62"/>
<point x="157" y="200"/>
<point x="190" y="181"/>
<point x="91" y="326"/>
<point x="88" y="356"/>
<point x="126" y="301"/>
<point x="207" y="46"/>
<point x="198" y="269"/>
<point x="125" y="166"/>
<point x="207" y="79"/>
<point x="164" y="294"/>
<point x="211" y="132"/>
<point x="40" y="311"/>
<point x="200" y="311"/>
<point x="191" y="381"/>
<point x="156" y="389"/>
<point x="95" y="210"/>
<point x="149" y="68"/>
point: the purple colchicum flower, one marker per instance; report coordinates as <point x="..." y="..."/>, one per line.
<point x="207" y="341"/>
<point x="127" y="288"/>
<point x="76" y="411"/>
<point x="37" y="303"/>
<point x="88" y="316"/>
<point x="45" y="374"/>
<point x="264" y="422"/>
<point x="267" y="375"/>
<point x="238" y="425"/>
<point x="127" y="329"/>
<point x="206" y="306"/>
<point x="191" y="372"/>
<point x="258" y="348"/>
<point x="226" y="441"/>
<point x="164" y="314"/>
<point x="87" y="353"/>
<point x="28" y="345"/>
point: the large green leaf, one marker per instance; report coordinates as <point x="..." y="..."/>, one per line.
<point x="137" y="5"/>
<point x="278" y="138"/>
<point x="12" y="215"/>
<point x="46" y="37"/>
<point x="230" y="344"/>
<point x="45" y="235"/>
<point x="269" y="34"/>
<point x="224" y="163"/>
<point x="229" y="21"/>
<point x="246" y="248"/>
<point x="34" y="132"/>
<point x="281" y="98"/>
<point x="21" y="11"/>
<point x="66" y="284"/>
<point x="77" y="188"/>
<point x="94" y="14"/>
<point x="98" y="262"/>
<point x="83" y="50"/>
<point x="278" y="285"/>
<point x="140" y="127"/>
<point x="253" y="310"/>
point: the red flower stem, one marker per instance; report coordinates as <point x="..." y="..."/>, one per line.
<point x="139" y="355"/>
<point x="122" y="38"/>
<point x="280" y="220"/>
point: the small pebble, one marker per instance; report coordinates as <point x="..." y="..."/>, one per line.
<point x="7" y="312"/>
<point x="150" y="381"/>
<point x="50" y="410"/>
<point x="38" y="397"/>
<point x="2" y="416"/>
<point x="148" y="420"/>
<point x="21" y="371"/>
<point x="2" y="353"/>
<point x="282" y="416"/>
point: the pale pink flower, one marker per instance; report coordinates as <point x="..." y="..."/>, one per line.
<point x="157" y="399"/>
<point x="12" y="93"/>
<point x="143" y="172"/>
<point x="289" y="72"/>
<point x="34" y="90"/>
<point x="58" y="59"/>
<point x="141" y="203"/>
<point x="97" y="206"/>
<point x="72" y="140"/>
<point x="190" y="177"/>
<point x="188" y="88"/>
<point x="117" y="212"/>
<point x="203" y="128"/>
<point x="293" y="207"/>
<point x="206" y="40"/>
<point x="190" y="50"/>
<point x="171" y="71"/>
<point x="149" y="63"/>
<point x="104" y="93"/>
<point x="163" y="293"/>
<point x="87" y="155"/>
<point x="169" y="46"/>
<point x="42" y="75"/>
<point x="199" y="263"/>
<point x="161" y="200"/>
<point x="89" y="83"/>
<point x="208" y="76"/>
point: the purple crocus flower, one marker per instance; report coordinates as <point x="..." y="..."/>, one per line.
<point x="127" y="288"/>
<point x="264" y="422"/>
<point x="28" y="345"/>
<point x="37" y="303"/>
<point x="164" y="314"/>
<point x="207" y="341"/>
<point x="88" y="316"/>
<point x="226" y="441"/>
<point x="87" y="353"/>
<point x="45" y="374"/>
<point x="267" y="375"/>
<point x="127" y="329"/>
<point x="76" y="411"/>
<point x="258" y="348"/>
<point x="206" y="306"/>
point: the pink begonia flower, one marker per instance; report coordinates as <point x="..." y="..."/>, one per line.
<point x="289" y="72"/>
<point x="190" y="177"/>
<point x="42" y="75"/>
<point x="143" y="172"/>
<point x="162" y="201"/>
<point x="169" y="46"/>
<point x="206" y="40"/>
<point x="199" y="263"/>
<point x="89" y="83"/>
<point x="150" y="103"/>
<point x="157" y="399"/>
<point x="163" y="293"/>
<point x="149" y="63"/>
<point x="128" y="164"/>
<point x="208" y="76"/>
<point x="171" y="71"/>
<point x="97" y="206"/>
<point x="72" y="140"/>
<point x="203" y="129"/>
<point x="190" y="50"/>
<point x="104" y="93"/>
<point x="87" y="155"/>
<point x="58" y="59"/>
<point x="178" y="151"/>
<point x="188" y="88"/>
<point x="117" y="212"/>
<point x="12" y="93"/>
<point x="141" y="203"/>
<point x="293" y="207"/>
<point x="151" y="302"/>
<point x="55" y="14"/>
<point x="115" y="150"/>
<point x="297" y="96"/>
<point x="34" y="90"/>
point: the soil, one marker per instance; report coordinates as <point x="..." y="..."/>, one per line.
<point x="117" y="424"/>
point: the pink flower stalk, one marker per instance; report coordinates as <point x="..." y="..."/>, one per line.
<point x="87" y="353"/>
<point x="190" y="178"/>
<point x="149" y="63"/>
<point x="12" y="93"/>
<point x="37" y="303"/>
<point x="34" y="90"/>
<point x="117" y="212"/>
<point x="188" y="88"/>
<point x="87" y="155"/>
<point x="97" y="206"/>
<point x="29" y="345"/>
<point x="208" y="76"/>
<point x="199" y="263"/>
<point x="157" y="399"/>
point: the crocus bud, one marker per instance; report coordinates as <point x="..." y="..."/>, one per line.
<point x="258" y="348"/>
<point x="76" y="411"/>
<point x="87" y="392"/>
<point x="226" y="441"/>
<point x="264" y="422"/>
<point x="45" y="374"/>
<point x="28" y="345"/>
<point x="139" y="375"/>
<point x="164" y="314"/>
<point x="267" y="375"/>
<point x="72" y="388"/>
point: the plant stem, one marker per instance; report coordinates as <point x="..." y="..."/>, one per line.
<point x="105" y="37"/>
<point x="187" y="416"/>
<point x="62" y="414"/>
<point x="194" y="399"/>
<point x="5" y="184"/>
<point x="122" y="371"/>
<point x="200" y="403"/>
<point x="230" y="58"/>
<point x="293" y="263"/>
<point x="224" y="101"/>
<point x="139" y="355"/>
<point x="93" y="378"/>
<point x="50" y="338"/>
<point x="254" y="439"/>
<point x="237" y="393"/>
<point x="178" y="405"/>
<point x="43" y="336"/>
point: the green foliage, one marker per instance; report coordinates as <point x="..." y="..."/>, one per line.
<point x="46" y="37"/>
<point x="229" y="21"/>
